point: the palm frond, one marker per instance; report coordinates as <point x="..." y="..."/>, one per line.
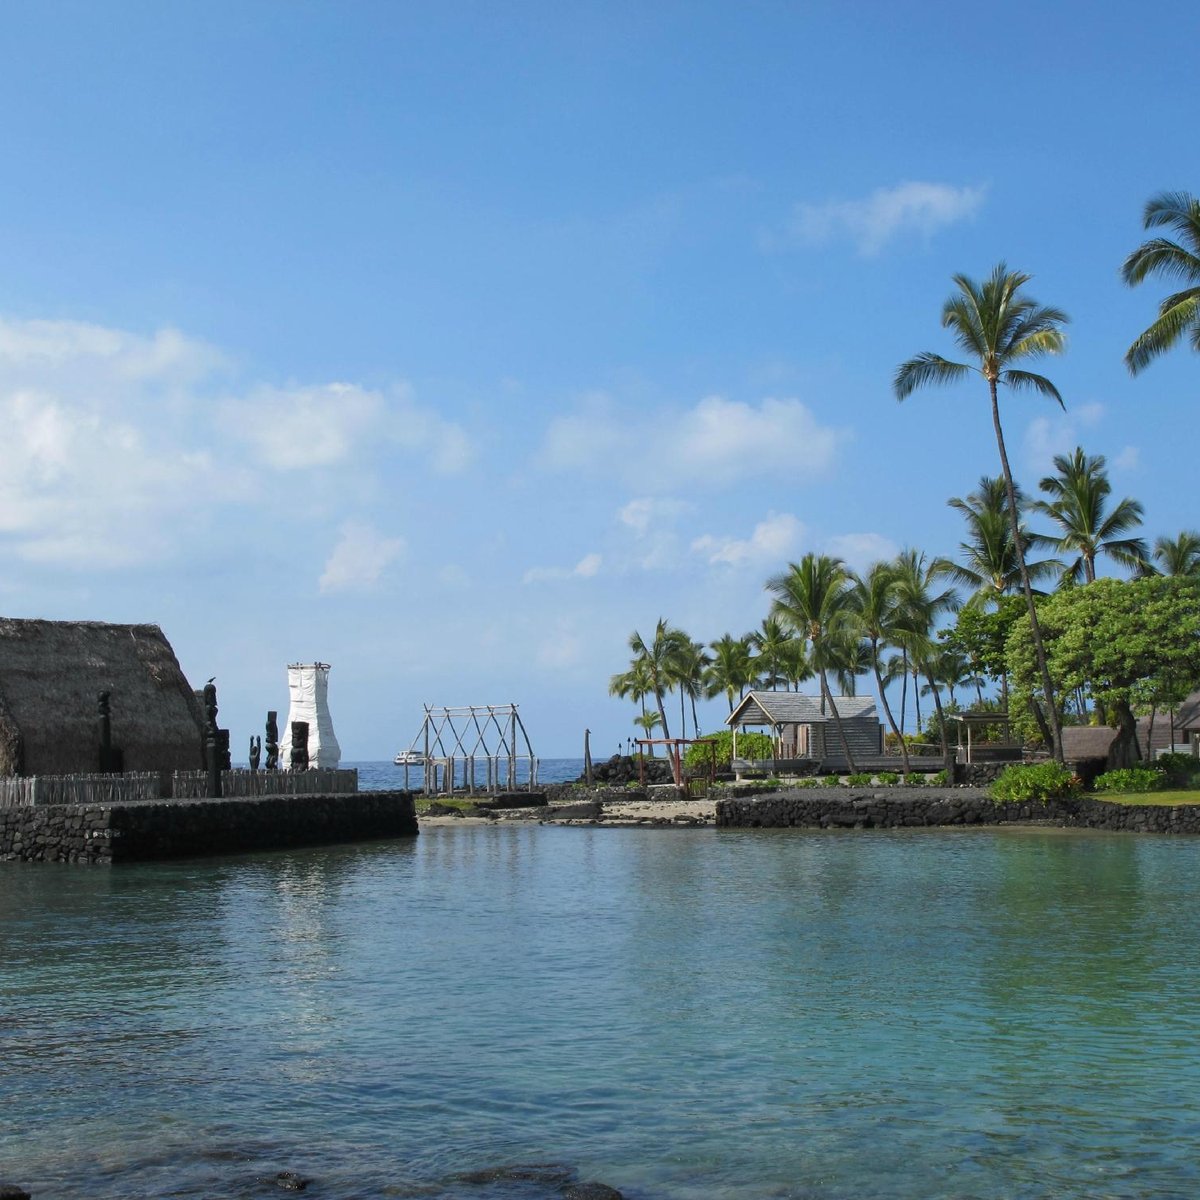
<point x="1162" y="335"/>
<point x="924" y="369"/>
<point x="1160" y="256"/>
<point x="1020" y="380"/>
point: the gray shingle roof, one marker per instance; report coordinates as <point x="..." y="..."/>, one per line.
<point x="795" y="708"/>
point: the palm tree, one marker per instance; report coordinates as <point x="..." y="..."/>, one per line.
<point x="797" y="663"/>
<point x="999" y="327"/>
<point x="659" y="658"/>
<point x="1078" y="498"/>
<point x="648" y="722"/>
<point x="1179" y="555"/>
<point x="921" y="601"/>
<point x="877" y="614"/>
<point x="731" y="667"/>
<point x="1179" y="313"/>
<point x="813" y="597"/>
<point x="689" y="678"/>
<point x="988" y="565"/>
<point x="772" y="641"/>
<point x="634" y="684"/>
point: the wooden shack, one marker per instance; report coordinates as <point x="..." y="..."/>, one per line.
<point x="803" y="729"/>
<point x="51" y="675"/>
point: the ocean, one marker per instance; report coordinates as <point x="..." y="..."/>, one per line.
<point x="487" y="1012"/>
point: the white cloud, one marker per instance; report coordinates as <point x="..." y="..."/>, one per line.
<point x="920" y="208"/>
<point x="586" y="568"/>
<point x="359" y="559"/>
<point x="771" y="541"/>
<point x="560" y="650"/>
<point x="860" y="550"/>
<point x="717" y="442"/>
<point x="1059" y="433"/>
<point x="1129" y="459"/>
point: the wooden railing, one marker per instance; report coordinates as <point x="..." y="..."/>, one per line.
<point x="30" y="790"/>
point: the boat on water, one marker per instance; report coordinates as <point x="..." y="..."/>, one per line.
<point x="409" y="758"/>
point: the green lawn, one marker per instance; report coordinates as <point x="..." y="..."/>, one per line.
<point x="1166" y="799"/>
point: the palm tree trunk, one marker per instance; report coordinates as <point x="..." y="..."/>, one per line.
<point x="837" y="720"/>
<point x="887" y="708"/>
<point x="662" y="712"/>
<point x="937" y="704"/>
<point x="1035" y="628"/>
<point x="903" y="684"/>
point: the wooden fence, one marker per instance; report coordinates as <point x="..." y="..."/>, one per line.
<point x="31" y="790"/>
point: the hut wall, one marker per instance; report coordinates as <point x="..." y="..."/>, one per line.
<point x="51" y="674"/>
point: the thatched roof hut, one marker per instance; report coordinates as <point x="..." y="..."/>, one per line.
<point x="51" y="674"/>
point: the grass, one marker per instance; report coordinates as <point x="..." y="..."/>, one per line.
<point x="1161" y="799"/>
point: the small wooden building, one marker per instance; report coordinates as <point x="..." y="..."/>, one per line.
<point x="803" y="730"/>
<point x="51" y="675"/>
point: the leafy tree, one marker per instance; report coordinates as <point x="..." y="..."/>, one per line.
<point x="981" y="636"/>
<point x="1078" y="505"/>
<point x="1122" y="640"/>
<point x="731" y="668"/>
<point x="756" y="746"/>
<point x="659" y="660"/>
<point x="987" y="565"/>
<point x="877" y="613"/>
<point x="773" y="642"/>
<point x="922" y="601"/>
<point x="1179" y="555"/>
<point x="999" y="327"/>
<point x="1179" y="313"/>
<point x="813" y="598"/>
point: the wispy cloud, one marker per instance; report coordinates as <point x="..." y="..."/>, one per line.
<point x="860" y="550"/>
<point x="359" y="559"/>
<point x="1058" y="433"/>
<point x="886" y="214"/>
<point x="587" y="567"/>
<point x="715" y="443"/>
<point x="770" y="542"/>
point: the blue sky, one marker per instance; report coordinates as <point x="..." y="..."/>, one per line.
<point x="451" y="343"/>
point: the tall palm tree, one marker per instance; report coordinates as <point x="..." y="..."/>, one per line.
<point x="921" y="601"/>
<point x="987" y="565"/>
<point x="634" y="684"/>
<point x="999" y="327"/>
<point x="797" y="663"/>
<point x="1179" y="555"/>
<point x="659" y="657"/>
<point x="1078" y="496"/>
<point x="1179" y="313"/>
<point x="877" y="615"/>
<point x="771" y="639"/>
<point x="689" y="678"/>
<point x="648" y="722"/>
<point x="813" y="598"/>
<point x="731" y="667"/>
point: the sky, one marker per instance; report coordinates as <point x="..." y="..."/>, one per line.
<point x="451" y="343"/>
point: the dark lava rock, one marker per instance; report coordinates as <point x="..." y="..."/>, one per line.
<point x="437" y="809"/>
<point x="290" y="1181"/>
<point x="549" y="1174"/>
<point x="591" y="1191"/>
<point x="588" y="811"/>
<point x="10" y="1191"/>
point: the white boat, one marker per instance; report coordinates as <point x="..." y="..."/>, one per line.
<point x="409" y="758"/>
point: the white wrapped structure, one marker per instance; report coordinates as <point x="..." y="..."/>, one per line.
<point x="308" y="685"/>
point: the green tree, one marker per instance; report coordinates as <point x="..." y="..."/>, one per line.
<point x="1179" y="313"/>
<point x="877" y="613"/>
<point x="1179" y="555"/>
<point x="773" y="641"/>
<point x="813" y="598"/>
<point x="1078" y="497"/>
<point x="689" y="668"/>
<point x="981" y="636"/>
<point x="731" y="667"/>
<point x="921" y="602"/>
<point x="1125" y="641"/>
<point x="659" y="659"/>
<point x="987" y="565"/>
<point x="999" y="327"/>
<point x="648" y="722"/>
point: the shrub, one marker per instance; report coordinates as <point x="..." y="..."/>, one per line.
<point x="887" y="779"/>
<point x="859" y="779"/>
<point x="808" y="783"/>
<point x="755" y="746"/>
<point x="1036" y="782"/>
<point x="1179" y="770"/>
<point x="914" y="780"/>
<point x="1131" y="779"/>
<point x="938" y="779"/>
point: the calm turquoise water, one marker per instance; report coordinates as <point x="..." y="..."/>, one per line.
<point x="681" y="1014"/>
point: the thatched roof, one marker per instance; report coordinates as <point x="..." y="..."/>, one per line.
<point x="51" y="673"/>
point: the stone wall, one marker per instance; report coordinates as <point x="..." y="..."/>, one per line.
<point x="157" y="829"/>
<point x="846" y="808"/>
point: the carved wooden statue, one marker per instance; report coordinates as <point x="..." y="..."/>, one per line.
<point x="255" y="752"/>
<point x="272" y="740"/>
<point x="299" y="745"/>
